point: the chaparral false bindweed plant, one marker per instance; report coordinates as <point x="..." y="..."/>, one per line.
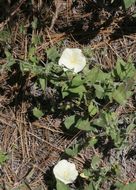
<point x="89" y="99"/>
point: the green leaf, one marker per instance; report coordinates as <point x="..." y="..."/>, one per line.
<point x="64" y="90"/>
<point x="134" y="15"/>
<point x="37" y="113"/>
<point x="124" y="70"/>
<point x="91" y="186"/>
<point x="5" y="35"/>
<point x="92" y="142"/>
<point x="84" y="125"/>
<point x="32" y="51"/>
<point x="78" y="90"/>
<point x="92" y="75"/>
<point x="65" y="93"/>
<point x="77" y="81"/>
<point x="10" y="59"/>
<point x="96" y="75"/>
<point x="72" y="151"/>
<point x="101" y="121"/>
<point x="120" y="67"/>
<point x="34" y="23"/>
<point x="87" y="172"/>
<point x="128" y="3"/>
<point x="95" y="162"/>
<point x="92" y="109"/>
<point x="3" y="157"/>
<point x="43" y="83"/>
<point x="87" y="51"/>
<point x="99" y="91"/>
<point x="22" y="29"/>
<point x="52" y="54"/>
<point x="116" y="136"/>
<point x="36" y="40"/>
<point x="130" y="186"/>
<point x="121" y="94"/>
<point x="130" y="128"/>
<point x="69" y="121"/>
<point x="22" y="186"/>
<point x="61" y="186"/>
<point x="32" y="55"/>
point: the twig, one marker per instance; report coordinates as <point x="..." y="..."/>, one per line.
<point x="58" y="5"/>
<point x="2" y="24"/>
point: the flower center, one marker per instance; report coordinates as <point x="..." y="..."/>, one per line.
<point x="66" y="174"/>
<point x="73" y="60"/>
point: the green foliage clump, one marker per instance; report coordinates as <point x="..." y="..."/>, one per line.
<point x="90" y="100"/>
<point x="3" y="157"/>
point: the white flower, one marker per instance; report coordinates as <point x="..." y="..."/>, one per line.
<point x="65" y="171"/>
<point x="73" y="58"/>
